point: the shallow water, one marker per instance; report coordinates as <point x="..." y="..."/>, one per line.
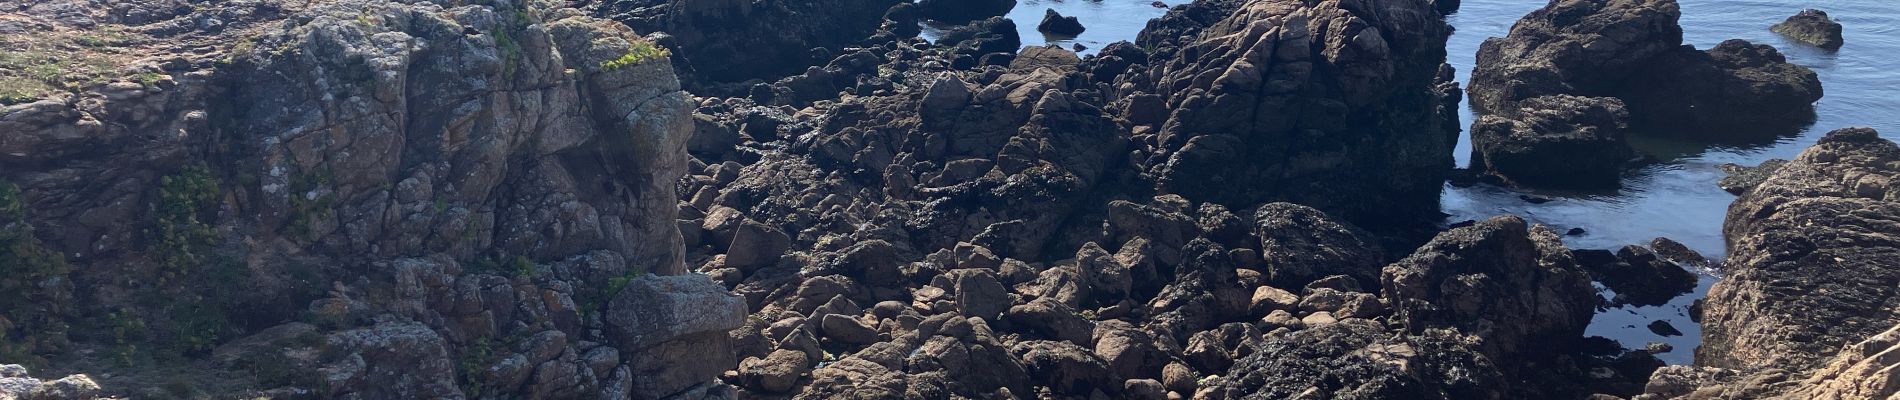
<point x="1675" y="197"/>
<point x="1104" y="21"/>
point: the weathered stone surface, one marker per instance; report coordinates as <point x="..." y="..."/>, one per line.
<point x="1556" y="141"/>
<point x="1512" y="285"/>
<point x="1813" y="27"/>
<point x="1632" y="50"/>
<point x="1324" y="103"/>
<point x="1358" y="359"/>
<point x="1301" y="244"/>
<point x="1811" y="265"/>
<point x="1637" y="274"/>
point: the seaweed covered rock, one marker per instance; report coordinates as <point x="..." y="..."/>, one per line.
<point x="1813" y="27"/>
<point x="1360" y="360"/>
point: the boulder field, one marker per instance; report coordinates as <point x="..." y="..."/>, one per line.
<point x="641" y="199"/>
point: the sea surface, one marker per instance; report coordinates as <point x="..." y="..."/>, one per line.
<point x="1675" y="196"/>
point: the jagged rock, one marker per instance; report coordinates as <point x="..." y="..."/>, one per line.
<point x="1470" y="278"/>
<point x="961" y="11"/>
<point x="984" y="36"/>
<point x="1740" y="179"/>
<point x="1257" y="102"/>
<point x="1556" y="141"/>
<point x="1358" y="359"/>
<point x="1637" y="275"/>
<point x="1634" y="53"/>
<point x="1678" y="253"/>
<point x="1301" y="244"/>
<point x="1813" y="27"/>
<point x="1809" y="271"/>
<point x="1055" y="24"/>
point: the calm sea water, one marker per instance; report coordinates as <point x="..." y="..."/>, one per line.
<point x="1675" y="197"/>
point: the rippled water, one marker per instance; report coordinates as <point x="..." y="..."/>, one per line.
<point x="1675" y="197"/>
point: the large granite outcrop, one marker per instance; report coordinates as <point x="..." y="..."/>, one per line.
<point x="1331" y="104"/>
<point x="450" y="193"/>
<point x="1805" y="311"/>
<point x="1811" y="265"/>
<point x="1633" y="50"/>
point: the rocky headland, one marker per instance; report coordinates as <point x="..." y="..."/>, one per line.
<point x="380" y="199"/>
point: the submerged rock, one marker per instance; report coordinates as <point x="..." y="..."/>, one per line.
<point x="1637" y="275"/>
<point x="1813" y="27"/>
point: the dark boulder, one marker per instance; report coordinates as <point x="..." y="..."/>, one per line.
<point x="1512" y="284"/>
<point x="1556" y="141"/>
<point x="1358" y="359"/>
<point x="1812" y="27"/>
<point x="1738" y="91"/>
<point x="1637" y="275"/>
<point x="1054" y="23"/>
<point x="1301" y="244"/>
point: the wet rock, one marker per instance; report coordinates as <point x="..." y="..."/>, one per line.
<point x="1055" y="24"/>
<point x="1747" y="89"/>
<point x="1468" y="278"/>
<point x="1803" y="277"/>
<point x="1556" y="141"/>
<point x="1663" y="328"/>
<point x="1637" y="275"/>
<point x="982" y="37"/>
<point x="1676" y="252"/>
<point x="1742" y="178"/>
<point x="1813" y="27"/>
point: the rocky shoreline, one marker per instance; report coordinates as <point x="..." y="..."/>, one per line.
<point x="377" y="199"/>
